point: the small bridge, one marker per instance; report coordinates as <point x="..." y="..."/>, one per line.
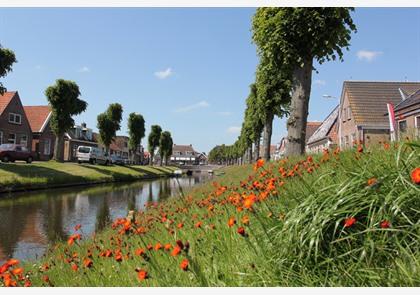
<point x="200" y="168"/>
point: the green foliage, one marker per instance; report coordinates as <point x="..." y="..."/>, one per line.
<point x="153" y="140"/>
<point x="109" y="123"/>
<point x="136" y="130"/>
<point x="165" y="145"/>
<point x="7" y="59"/>
<point x="65" y="103"/>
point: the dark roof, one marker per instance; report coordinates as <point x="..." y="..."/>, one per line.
<point x="182" y="149"/>
<point x="410" y="101"/>
<point x="325" y="128"/>
<point x="368" y="100"/>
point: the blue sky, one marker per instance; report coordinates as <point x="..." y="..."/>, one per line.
<point x="187" y="69"/>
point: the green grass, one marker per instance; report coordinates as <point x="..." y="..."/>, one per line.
<point x="23" y="176"/>
<point x="293" y="234"/>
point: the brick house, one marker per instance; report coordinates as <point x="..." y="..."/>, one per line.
<point x="325" y="136"/>
<point x="407" y="116"/>
<point x="14" y="125"/>
<point x="185" y="154"/>
<point x="362" y="108"/>
<point x="43" y="138"/>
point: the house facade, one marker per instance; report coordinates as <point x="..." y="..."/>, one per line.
<point x="407" y="116"/>
<point x="184" y="154"/>
<point x="363" y="108"/>
<point x="77" y="136"/>
<point x="43" y="138"/>
<point x="14" y="125"/>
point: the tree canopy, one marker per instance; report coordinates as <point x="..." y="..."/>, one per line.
<point x="165" y="146"/>
<point x="7" y="59"/>
<point x="136" y="131"/>
<point x="153" y="140"/>
<point x="108" y="123"/>
<point x="63" y="97"/>
<point x="289" y="39"/>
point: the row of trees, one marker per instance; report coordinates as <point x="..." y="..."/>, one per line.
<point x="289" y="40"/>
<point x="63" y="97"/>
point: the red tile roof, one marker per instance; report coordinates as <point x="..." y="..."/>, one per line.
<point x="37" y="116"/>
<point x="5" y="100"/>
<point x="311" y="127"/>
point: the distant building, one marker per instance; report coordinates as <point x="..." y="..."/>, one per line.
<point x="407" y="116"/>
<point x="325" y="136"/>
<point x="78" y="135"/>
<point x="184" y="154"/>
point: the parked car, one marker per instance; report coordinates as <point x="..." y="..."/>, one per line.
<point x="127" y="161"/>
<point x="93" y="155"/>
<point x="14" y="152"/>
<point x="117" y="160"/>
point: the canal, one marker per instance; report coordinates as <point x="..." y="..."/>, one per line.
<point x="31" y="222"/>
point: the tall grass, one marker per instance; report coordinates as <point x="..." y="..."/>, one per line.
<point x="342" y="219"/>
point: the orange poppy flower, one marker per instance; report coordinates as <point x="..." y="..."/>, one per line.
<point x="372" y="180"/>
<point x="231" y="221"/>
<point x="27" y="283"/>
<point x="184" y="264"/>
<point x="17" y="271"/>
<point x="259" y="163"/>
<point x="88" y="263"/>
<point x="198" y="224"/>
<point x="142" y="275"/>
<point x="74" y="267"/>
<point x="118" y="257"/>
<point x="12" y="262"/>
<point x="360" y="149"/>
<point x="77" y="227"/>
<point x="180" y="225"/>
<point x="176" y="250"/>
<point x="415" y="176"/>
<point x="386" y="146"/>
<point x="349" y="222"/>
<point x="167" y="247"/>
<point x="158" y="246"/>
<point x="245" y="219"/>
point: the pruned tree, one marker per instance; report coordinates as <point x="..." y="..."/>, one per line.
<point x="165" y="146"/>
<point x="7" y="59"/>
<point x="153" y="141"/>
<point x="136" y="131"/>
<point x="290" y="39"/>
<point x="63" y="97"/>
<point x="108" y="123"/>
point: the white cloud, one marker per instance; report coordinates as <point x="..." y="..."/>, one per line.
<point x="234" y="130"/>
<point x="84" y="69"/>
<point x="201" y="104"/>
<point x="368" y="55"/>
<point x="224" y="113"/>
<point x="164" y="74"/>
<point x="40" y="67"/>
<point x="320" y="82"/>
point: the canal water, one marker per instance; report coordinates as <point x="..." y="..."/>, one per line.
<point x="31" y="222"/>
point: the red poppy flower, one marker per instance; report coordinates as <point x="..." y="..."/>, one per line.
<point x="415" y="176"/>
<point x="241" y="231"/>
<point x="349" y="222"/>
<point x="384" y="224"/>
<point x="184" y="264"/>
<point x="360" y="149"/>
<point x="372" y="180"/>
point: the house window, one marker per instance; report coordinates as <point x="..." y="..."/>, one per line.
<point x="177" y="153"/>
<point x="417" y="122"/>
<point x="12" y="138"/>
<point x="15" y="118"/>
<point x="402" y="126"/>
<point x="1" y="137"/>
<point x="189" y="153"/>
<point x="348" y="113"/>
<point x="344" y="115"/>
<point x="24" y="140"/>
<point x="346" y="140"/>
<point x="47" y="147"/>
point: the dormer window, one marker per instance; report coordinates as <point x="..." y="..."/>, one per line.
<point x="177" y="153"/>
<point x="189" y="153"/>
<point x="15" y="118"/>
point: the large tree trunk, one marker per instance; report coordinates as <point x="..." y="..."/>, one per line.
<point x="268" y="131"/>
<point x="257" y="149"/>
<point x="59" y="148"/>
<point x="249" y="160"/>
<point x="296" y="124"/>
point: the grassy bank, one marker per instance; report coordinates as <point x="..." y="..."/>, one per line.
<point x="20" y="176"/>
<point x="342" y="219"/>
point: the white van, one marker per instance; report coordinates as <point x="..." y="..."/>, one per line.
<point x="93" y="155"/>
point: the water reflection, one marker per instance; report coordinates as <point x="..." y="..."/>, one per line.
<point x="30" y="222"/>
